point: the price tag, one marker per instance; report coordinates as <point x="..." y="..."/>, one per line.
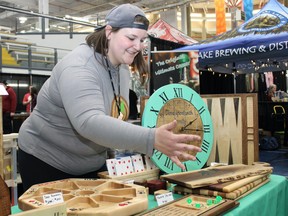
<point x="164" y="198"/>
<point x="50" y="199"/>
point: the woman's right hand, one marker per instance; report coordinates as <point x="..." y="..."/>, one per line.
<point x="174" y="145"/>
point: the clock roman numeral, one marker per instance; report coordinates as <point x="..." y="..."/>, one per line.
<point x="169" y="164"/>
<point x="206" y="128"/>
<point x="178" y="92"/>
<point x="201" y="110"/>
<point x="191" y="97"/>
<point x="205" y="146"/>
<point x="164" y="97"/>
<point x="154" y="110"/>
<point x="157" y="154"/>
<point x="198" y="161"/>
<point x="186" y="168"/>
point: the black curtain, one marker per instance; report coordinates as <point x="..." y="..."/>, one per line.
<point x="210" y="83"/>
<point x="216" y="83"/>
<point x="280" y="80"/>
<point x="161" y="44"/>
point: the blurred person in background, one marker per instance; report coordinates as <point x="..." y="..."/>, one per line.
<point x="9" y="103"/>
<point x="30" y="99"/>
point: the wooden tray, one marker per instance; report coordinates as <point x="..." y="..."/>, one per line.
<point x="214" y="175"/>
<point x="198" y="206"/>
<point x="89" y="197"/>
<point x="145" y="175"/>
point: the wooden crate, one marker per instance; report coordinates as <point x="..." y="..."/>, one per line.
<point x="235" y="121"/>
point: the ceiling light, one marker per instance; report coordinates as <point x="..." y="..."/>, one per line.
<point x="22" y="19"/>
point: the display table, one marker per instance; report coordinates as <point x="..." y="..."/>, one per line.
<point x="270" y="199"/>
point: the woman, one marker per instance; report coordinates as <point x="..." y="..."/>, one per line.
<point x="271" y="92"/>
<point x="26" y="99"/>
<point x="30" y="99"/>
<point x="81" y="107"/>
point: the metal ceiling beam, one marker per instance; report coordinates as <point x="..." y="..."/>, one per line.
<point x="31" y="13"/>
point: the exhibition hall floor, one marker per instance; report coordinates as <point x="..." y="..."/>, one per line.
<point x="277" y="158"/>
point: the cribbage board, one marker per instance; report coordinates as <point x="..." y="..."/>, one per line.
<point x="193" y="205"/>
<point x="89" y="197"/>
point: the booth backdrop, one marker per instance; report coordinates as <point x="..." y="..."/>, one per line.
<point x="258" y="45"/>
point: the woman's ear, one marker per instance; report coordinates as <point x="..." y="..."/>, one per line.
<point x="108" y="30"/>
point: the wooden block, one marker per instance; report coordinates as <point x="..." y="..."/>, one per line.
<point x="155" y="185"/>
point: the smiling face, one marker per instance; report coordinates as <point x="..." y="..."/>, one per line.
<point x="124" y="44"/>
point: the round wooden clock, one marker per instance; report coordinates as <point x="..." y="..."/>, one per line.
<point x="180" y="102"/>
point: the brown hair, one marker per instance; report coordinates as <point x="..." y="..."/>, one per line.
<point x="99" y="42"/>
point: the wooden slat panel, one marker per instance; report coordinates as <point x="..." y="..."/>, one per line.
<point x="235" y="121"/>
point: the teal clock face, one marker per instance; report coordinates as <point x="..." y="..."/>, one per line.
<point x="180" y="102"/>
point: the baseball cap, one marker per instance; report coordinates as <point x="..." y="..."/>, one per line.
<point x="125" y="16"/>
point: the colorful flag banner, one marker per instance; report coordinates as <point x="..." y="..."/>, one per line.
<point x="248" y="9"/>
<point x="220" y="16"/>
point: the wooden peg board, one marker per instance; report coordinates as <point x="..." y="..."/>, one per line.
<point x="192" y="205"/>
<point x="89" y="197"/>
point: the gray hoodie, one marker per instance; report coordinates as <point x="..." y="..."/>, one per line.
<point x="71" y="128"/>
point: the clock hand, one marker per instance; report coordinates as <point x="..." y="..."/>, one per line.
<point x="193" y="129"/>
<point x="184" y="127"/>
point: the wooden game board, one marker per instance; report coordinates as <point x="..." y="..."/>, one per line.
<point x="193" y="205"/>
<point x="214" y="175"/>
<point x="89" y="197"/>
<point x="229" y="190"/>
<point x="236" y="184"/>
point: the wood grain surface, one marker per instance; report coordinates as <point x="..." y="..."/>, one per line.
<point x="184" y="208"/>
<point x="215" y="175"/>
<point x="236" y="194"/>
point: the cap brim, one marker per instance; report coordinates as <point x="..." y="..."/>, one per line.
<point x="99" y="28"/>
